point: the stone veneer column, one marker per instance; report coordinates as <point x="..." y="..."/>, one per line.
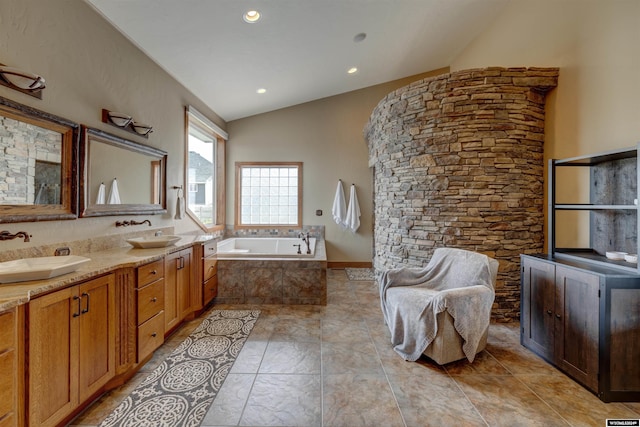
<point x="458" y="162"/>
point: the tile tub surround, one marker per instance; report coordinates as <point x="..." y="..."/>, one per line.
<point x="458" y="162"/>
<point x="274" y="281"/>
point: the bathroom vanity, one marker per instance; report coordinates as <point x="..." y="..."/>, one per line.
<point x="69" y="339"/>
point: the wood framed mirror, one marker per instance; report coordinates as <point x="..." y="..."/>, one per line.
<point x="38" y="166"/>
<point x="119" y="176"/>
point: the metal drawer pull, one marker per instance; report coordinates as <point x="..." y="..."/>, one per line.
<point x="154" y="299"/>
<point x="154" y="335"/>
<point x="76" y="297"/>
<point x="86" y="310"/>
<point x="549" y="312"/>
<point x="154" y="272"/>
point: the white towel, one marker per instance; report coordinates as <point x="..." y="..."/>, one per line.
<point x="339" y="209"/>
<point x="353" y="211"/>
<point x="179" y="205"/>
<point x="101" y="194"/>
<point x="114" y="195"/>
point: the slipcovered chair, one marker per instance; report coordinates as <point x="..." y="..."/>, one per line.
<point x="442" y="310"/>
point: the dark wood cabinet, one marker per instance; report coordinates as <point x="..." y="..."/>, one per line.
<point x="584" y="319"/>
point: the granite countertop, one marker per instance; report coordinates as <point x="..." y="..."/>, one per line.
<point x="102" y="262"/>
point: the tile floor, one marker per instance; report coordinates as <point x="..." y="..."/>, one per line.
<point x="333" y="366"/>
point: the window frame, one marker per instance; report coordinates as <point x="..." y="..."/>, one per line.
<point x="238" y="195"/>
<point x="198" y="120"/>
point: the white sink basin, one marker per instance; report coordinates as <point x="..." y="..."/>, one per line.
<point x="153" y="241"/>
<point x="40" y="268"/>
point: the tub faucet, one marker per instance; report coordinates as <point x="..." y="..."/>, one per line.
<point x="5" y="235"/>
<point x="306" y="240"/>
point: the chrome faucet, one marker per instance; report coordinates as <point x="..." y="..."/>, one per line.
<point x="306" y="240"/>
<point x="5" y="235"/>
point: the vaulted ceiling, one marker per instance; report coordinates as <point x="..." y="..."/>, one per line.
<point x="299" y="50"/>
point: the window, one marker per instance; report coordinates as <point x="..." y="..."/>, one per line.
<point x="269" y="194"/>
<point x="205" y="171"/>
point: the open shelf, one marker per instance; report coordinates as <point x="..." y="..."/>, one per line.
<point x="608" y="220"/>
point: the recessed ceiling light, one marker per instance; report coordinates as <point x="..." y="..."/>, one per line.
<point x="261" y="90"/>
<point x="352" y="70"/>
<point x="251" y="16"/>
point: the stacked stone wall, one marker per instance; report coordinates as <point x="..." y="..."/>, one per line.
<point x="458" y="162"/>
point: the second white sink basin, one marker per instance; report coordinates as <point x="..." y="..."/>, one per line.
<point x="40" y="268"/>
<point x="153" y="241"/>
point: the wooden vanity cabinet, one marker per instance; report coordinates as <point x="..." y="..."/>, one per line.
<point x="11" y="369"/>
<point x="584" y="319"/>
<point x="205" y="255"/>
<point x="71" y="348"/>
<point x="178" y="280"/>
<point x="150" y="308"/>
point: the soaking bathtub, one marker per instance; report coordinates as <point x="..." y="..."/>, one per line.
<point x="265" y="247"/>
<point x="269" y="270"/>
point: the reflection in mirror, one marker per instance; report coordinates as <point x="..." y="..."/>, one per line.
<point x="37" y="164"/>
<point x="121" y="176"/>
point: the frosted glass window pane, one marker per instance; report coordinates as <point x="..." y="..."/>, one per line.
<point x="273" y="190"/>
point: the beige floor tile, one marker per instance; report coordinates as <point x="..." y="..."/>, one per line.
<point x="284" y="400"/>
<point x="433" y="400"/>
<point x="347" y="358"/>
<point x="359" y="400"/>
<point x="573" y="402"/>
<point x="286" y="357"/>
<point x="505" y="401"/>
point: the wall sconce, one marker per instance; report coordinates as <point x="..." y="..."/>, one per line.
<point x="141" y="128"/>
<point x="126" y="122"/>
<point x="119" y="119"/>
<point x="23" y="81"/>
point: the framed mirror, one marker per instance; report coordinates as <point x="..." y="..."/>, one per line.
<point x="119" y="176"/>
<point x="38" y="166"/>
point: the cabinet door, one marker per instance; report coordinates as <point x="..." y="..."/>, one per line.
<point x="576" y="325"/>
<point x="171" y="264"/>
<point x="9" y="389"/>
<point x="97" y="341"/>
<point x="53" y="356"/>
<point x="184" y="284"/>
<point x="538" y="302"/>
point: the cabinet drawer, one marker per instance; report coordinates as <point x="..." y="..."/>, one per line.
<point x="150" y="272"/>
<point x="150" y="300"/>
<point x="7" y="382"/>
<point x="150" y="335"/>
<point x="210" y="289"/>
<point x="210" y="248"/>
<point x="7" y="330"/>
<point x="210" y="267"/>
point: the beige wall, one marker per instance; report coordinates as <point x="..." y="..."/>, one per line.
<point x="596" y="44"/>
<point x="326" y="135"/>
<point x="88" y="65"/>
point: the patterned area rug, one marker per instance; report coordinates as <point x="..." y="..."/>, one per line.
<point x="360" y="273"/>
<point x="181" y="389"/>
